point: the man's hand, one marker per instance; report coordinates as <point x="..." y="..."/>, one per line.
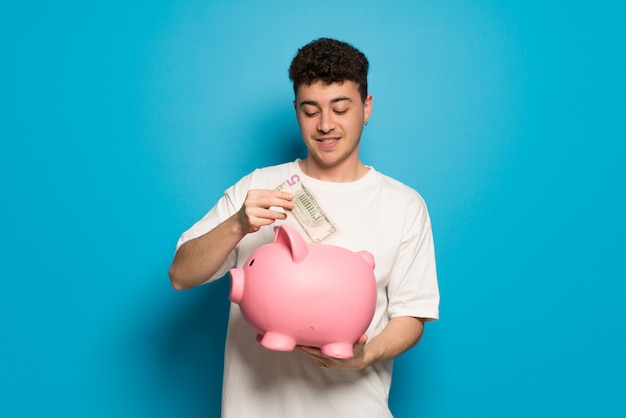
<point x="256" y="210"/>
<point x="357" y="362"/>
<point x="400" y="334"/>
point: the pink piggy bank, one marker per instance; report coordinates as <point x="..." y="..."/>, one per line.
<point x="297" y="293"/>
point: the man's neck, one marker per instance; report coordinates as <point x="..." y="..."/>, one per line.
<point x="339" y="174"/>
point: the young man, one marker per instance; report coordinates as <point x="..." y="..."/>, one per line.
<point x="371" y="211"/>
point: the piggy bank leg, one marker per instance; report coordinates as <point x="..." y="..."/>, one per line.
<point x="277" y="341"/>
<point x="338" y="350"/>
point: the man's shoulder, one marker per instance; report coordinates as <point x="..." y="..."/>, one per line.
<point x="267" y="177"/>
<point x="397" y="188"/>
<point x="268" y="174"/>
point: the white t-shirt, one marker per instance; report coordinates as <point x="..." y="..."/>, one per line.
<point x="375" y="213"/>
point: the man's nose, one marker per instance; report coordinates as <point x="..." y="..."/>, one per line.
<point x="325" y="123"/>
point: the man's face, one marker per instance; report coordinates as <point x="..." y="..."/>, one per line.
<point x="331" y="119"/>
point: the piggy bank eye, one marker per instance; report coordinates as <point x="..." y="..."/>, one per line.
<point x="251" y="263"/>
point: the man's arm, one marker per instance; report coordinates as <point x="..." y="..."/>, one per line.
<point x="400" y="334"/>
<point x="199" y="259"/>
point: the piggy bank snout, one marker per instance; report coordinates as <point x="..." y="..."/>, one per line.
<point x="236" y="285"/>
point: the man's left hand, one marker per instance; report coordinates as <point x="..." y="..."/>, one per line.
<point x="356" y="362"/>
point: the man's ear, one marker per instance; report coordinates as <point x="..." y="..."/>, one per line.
<point x="367" y="107"/>
<point x="295" y="109"/>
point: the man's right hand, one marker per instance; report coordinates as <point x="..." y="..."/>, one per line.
<point x="257" y="209"/>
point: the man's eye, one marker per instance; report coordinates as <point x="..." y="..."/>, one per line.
<point x="309" y="114"/>
<point x="340" y="112"/>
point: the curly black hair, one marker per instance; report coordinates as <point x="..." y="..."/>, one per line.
<point x="329" y="61"/>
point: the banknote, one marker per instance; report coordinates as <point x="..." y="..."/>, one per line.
<point x="312" y="219"/>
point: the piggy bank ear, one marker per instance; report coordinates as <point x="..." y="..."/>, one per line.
<point x="368" y="257"/>
<point x="287" y="236"/>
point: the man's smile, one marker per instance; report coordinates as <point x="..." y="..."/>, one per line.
<point x="327" y="141"/>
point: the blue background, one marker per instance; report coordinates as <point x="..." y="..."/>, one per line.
<point x="123" y="122"/>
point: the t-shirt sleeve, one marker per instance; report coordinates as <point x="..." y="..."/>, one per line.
<point x="413" y="289"/>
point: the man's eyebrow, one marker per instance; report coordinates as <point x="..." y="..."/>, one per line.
<point x="335" y="100"/>
<point x="341" y="99"/>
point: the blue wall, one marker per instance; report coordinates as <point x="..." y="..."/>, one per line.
<point x="123" y="122"/>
